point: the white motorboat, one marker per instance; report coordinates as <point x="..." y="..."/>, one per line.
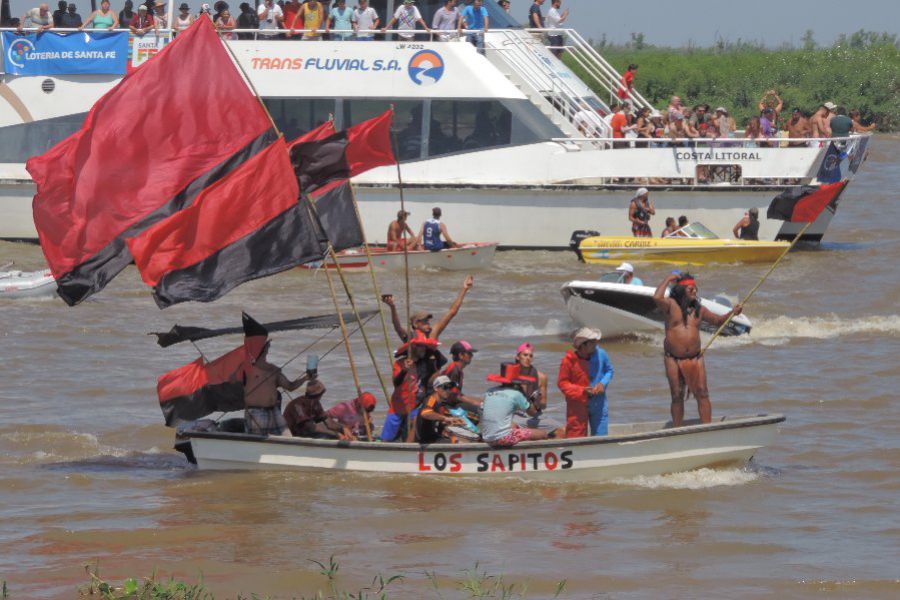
<point x="630" y="450"/>
<point x="27" y="284"/>
<point x="620" y="309"/>
<point x="467" y="257"/>
<point x="497" y="139"/>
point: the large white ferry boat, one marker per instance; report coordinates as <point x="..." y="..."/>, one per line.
<point x="492" y="138"/>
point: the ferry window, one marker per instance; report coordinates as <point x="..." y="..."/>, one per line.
<point x="458" y="125"/>
<point x="296" y="116"/>
<point x="22" y="141"/>
<point x="407" y="122"/>
<point x="718" y="174"/>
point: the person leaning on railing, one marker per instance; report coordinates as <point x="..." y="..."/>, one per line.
<point x="446" y="19"/>
<point x="475" y="19"/>
<point x="40" y="18"/>
<point x="142" y="21"/>
<point x="225" y="24"/>
<point x="340" y="20"/>
<point x="365" y="21"/>
<point x="406" y="17"/>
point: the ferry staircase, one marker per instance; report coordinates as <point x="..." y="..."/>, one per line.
<point x="550" y="85"/>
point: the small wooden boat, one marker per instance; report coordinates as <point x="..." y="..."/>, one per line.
<point x="27" y="284"/>
<point x="468" y="257"/>
<point x="630" y="450"/>
<point x="693" y="244"/>
<point x="619" y="309"/>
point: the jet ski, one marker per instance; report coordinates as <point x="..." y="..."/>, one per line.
<point x="620" y="309"/>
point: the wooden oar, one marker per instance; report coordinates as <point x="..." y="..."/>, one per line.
<point x="757" y="286"/>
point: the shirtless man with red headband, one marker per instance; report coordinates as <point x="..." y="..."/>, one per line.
<point x="683" y="357"/>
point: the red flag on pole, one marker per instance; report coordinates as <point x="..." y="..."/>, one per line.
<point x="804" y="204"/>
<point x="147" y="149"/>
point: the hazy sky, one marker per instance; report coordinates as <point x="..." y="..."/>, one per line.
<point x="668" y="23"/>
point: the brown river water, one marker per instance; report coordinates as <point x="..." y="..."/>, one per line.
<point x="87" y="471"/>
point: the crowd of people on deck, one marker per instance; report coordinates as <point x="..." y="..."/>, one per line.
<point x="429" y="402"/>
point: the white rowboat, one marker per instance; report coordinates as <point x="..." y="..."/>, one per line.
<point x="653" y="448"/>
<point x="468" y="257"/>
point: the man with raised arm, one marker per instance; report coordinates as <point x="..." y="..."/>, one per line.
<point x="421" y="320"/>
<point x="683" y="360"/>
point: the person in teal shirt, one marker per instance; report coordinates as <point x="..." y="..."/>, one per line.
<point x="342" y="17"/>
<point x="841" y="125"/>
<point x="500" y="406"/>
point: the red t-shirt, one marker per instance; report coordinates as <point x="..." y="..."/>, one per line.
<point x="627" y="82"/>
<point x="290" y="13"/>
<point x="617" y="122"/>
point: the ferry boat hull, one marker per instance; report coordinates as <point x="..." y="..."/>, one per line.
<point x="630" y="450"/>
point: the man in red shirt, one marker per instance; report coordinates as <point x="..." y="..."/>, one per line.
<point x="627" y="82"/>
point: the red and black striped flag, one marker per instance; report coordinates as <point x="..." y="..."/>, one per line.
<point x="324" y="165"/>
<point x="804" y="204"/>
<point x="200" y="388"/>
<point x="182" y="128"/>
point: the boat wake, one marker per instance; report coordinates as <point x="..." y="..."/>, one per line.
<point x="781" y="330"/>
<point x="691" y="480"/>
<point x="552" y="328"/>
<point x="57" y="448"/>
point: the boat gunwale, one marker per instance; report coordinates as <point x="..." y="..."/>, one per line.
<point x="726" y="423"/>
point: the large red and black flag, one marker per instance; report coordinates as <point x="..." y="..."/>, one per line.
<point x="200" y="388"/>
<point x="804" y="204"/>
<point x="148" y="150"/>
<point x="324" y="165"/>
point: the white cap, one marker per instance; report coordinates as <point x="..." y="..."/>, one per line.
<point x="830" y="105"/>
<point x="586" y="334"/>
<point x="625" y="267"/>
<point x="641" y="192"/>
<point x="441" y="381"/>
<point x="721" y="109"/>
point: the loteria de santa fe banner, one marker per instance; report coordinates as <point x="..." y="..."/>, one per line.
<point x="65" y="54"/>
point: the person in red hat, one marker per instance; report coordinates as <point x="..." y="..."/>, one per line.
<point x="353" y="414"/>
<point x="500" y="406"/>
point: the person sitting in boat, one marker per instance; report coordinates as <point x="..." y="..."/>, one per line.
<point x="353" y="414"/>
<point x="670" y="227"/>
<point x="463" y="406"/>
<point x="306" y="418"/>
<point x="683" y="358"/>
<point x="432" y="232"/>
<point x="435" y="415"/>
<point x="421" y="320"/>
<point x="748" y="227"/>
<point x="584" y="375"/>
<point x="413" y="368"/>
<point x="627" y="272"/>
<point x="500" y="405"/>
<point x="395" y="239"/>
<point x="639" y="212"/>
<point x="537" y="391"/>
<point x="262" y="379"/>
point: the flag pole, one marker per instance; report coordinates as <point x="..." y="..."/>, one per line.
<point x="403" y="234"/>
<point x="352" y="362"/>
<point x="249" y="83"/>
<point x="387" y="339"/>
<point x="362" y="330"/>
<point x="757" y="286"/>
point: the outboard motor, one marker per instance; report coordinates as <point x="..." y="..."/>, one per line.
<point x="576" y="239"/>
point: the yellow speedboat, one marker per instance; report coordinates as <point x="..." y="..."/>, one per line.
<point x="693" y="244"/>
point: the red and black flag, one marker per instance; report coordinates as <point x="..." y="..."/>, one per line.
<point x="245" y="226"/>
<point x="200" y="388"/>
<point x="324" y="165"/>
<point x="804" y="204"/>
<point x="148" y="150"/>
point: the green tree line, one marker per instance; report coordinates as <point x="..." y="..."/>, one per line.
<point x="860" y="71"/>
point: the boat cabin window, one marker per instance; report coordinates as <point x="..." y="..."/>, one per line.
<point x="24" y="140"/>
<point x="467" y="125"/>
<point x="718" y="174"/>
<point x="296" y="116"/>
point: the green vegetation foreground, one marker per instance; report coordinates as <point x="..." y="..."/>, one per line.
<point x="861" y="72"/>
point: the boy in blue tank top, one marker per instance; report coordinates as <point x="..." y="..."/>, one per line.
<point x="432" y="232"/>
